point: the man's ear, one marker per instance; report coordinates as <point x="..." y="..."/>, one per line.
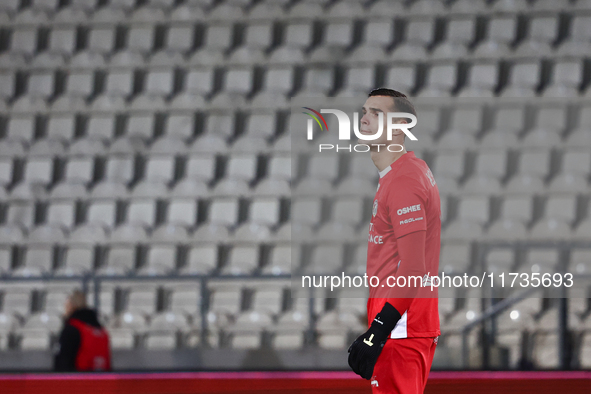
<point x="397" y="132"/>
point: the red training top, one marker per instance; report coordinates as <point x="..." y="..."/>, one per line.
<point x="406" y="204"/>
<point x="94" y="353"/>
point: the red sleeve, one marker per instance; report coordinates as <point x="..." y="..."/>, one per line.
<point x="406" y="205"/>
<point x="411" y="248"/>
<point x="412" y="263"/>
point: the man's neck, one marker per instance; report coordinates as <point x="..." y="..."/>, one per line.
<point x="384" y="158"/>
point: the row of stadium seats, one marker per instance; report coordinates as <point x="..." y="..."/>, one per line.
<point x="518" y="216"/>
<point x="189" y="175"/>
<point x="44" y="11"/>
<point x="251" y="317"/>
<point x="499" y="163"/>
<point x="106" y="127"/>
<point x="167" y="89"/>
<point x="541" y="344"/>
<point x="266" y="211"/>
<point x="411" y="39"/>
<point x="252" y="258"/>
<point x="493" y="172"/>
<point x="155" y="260"/>
<point x="273" y="212"/>
<point x="531" y="172"/>
<point x="149" y="298"/>
<point x="543" y="124"/>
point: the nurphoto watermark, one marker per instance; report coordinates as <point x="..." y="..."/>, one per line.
<point x="393" y="122"/>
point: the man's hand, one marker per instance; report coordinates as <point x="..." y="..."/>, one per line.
<point x="365" y="350"/>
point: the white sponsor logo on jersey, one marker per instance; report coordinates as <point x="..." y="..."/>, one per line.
<point x="431" y="177"/>
<point x="376" y="239"/>
<point x="374" y="382"/>
<point x="412" y="208"/>
<point x="410" y="220"/>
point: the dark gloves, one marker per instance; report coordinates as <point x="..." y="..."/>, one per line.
<point x="366" y="349"/>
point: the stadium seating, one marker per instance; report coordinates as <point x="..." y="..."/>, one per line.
<point x="151" y="138"/>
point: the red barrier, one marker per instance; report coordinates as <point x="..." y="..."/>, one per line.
<point x="509" y="382"/>
<point x="288" y="383"/>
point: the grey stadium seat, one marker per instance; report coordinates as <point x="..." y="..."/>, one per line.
<point x="501" y="32"/>
<point x="543" y="31"/>
<point x="473" y="214"/>
<point x="523" y="80"/>
<point x="338" y="37"/>
<point x="440" y="80"/>
<point x="218" y="39"/>
<point x="258" y="37"/>
<point x="460" y="33"/>
<point x="516" y="215"/>
<point x="566" y="79"/>
<point x="298" y="37"/>
<point x="578" y="39"/>
<point x="418" y="36"/>
<point x="378" y="36"/>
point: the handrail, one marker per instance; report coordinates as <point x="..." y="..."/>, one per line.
<point x="56" y="278"/>
<point x="561" y="245"/>
<point x="490" y="312"/>
<point x="97" y="281"/>
<point x="500" y="307"/>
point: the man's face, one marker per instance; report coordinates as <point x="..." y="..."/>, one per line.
<point x="373" y="106"/>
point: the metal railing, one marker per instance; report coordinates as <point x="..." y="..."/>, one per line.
<point x="488" y="318"/>
<point x="97" y="281"/>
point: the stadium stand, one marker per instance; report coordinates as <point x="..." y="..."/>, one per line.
<point x="150" y="139"/>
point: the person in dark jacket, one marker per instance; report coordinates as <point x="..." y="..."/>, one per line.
<point x="83" y="343"/>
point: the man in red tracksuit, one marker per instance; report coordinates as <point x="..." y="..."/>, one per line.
<point x="404" y="241"/>
<point x="83" y="342"/>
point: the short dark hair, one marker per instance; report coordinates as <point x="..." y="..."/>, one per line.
<point x="401" y="102"/>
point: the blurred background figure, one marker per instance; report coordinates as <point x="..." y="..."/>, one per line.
<point x="83" y="343"/>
